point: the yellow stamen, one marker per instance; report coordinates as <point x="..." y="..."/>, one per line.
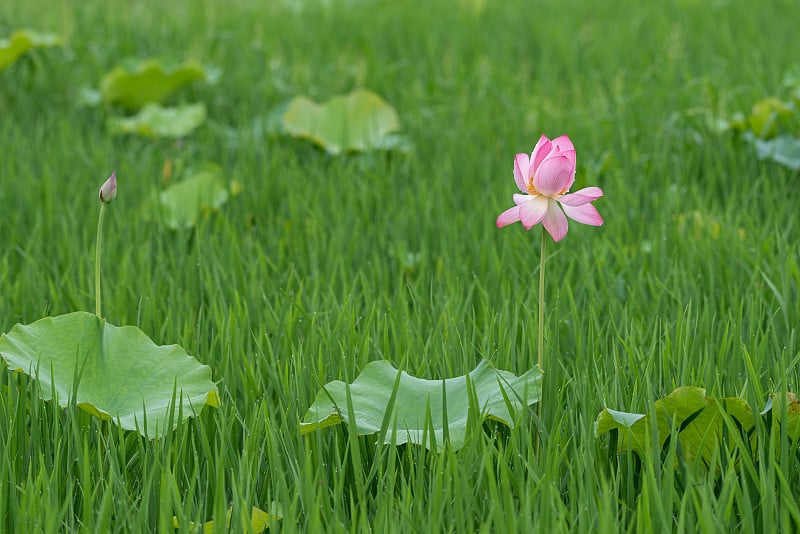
<point x="532" y="190"/>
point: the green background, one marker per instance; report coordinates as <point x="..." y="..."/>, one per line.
<point x="322" y="264"/>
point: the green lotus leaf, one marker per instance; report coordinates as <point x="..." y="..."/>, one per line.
<point x="424" y="412"/>
<point x="358" y="121"/>
<point x="701" y="422"/>
<point x="259" y="520"/>
<point x="784" y="404"/>
<point x="137" y="83"/>
<point x="766" y="115"/>
<point x="184" y="202"/>
<point x="114" y="373"/>
<point x="784" y="149"/>
<point x="12" y="48"/>
<point x="156" y="121"/>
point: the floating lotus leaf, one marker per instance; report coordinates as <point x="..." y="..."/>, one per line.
<point x="156" y="121"/>
<point x="358" y="121"/>
<point x="112" y="372"/>
<point x="259" y="520"/>
<point x="701" y="422"/>
<point x="149" y="81"/>
<point x="21" y="41"/>
<point x="420" y="411"/>
<point x="184" y="202"/>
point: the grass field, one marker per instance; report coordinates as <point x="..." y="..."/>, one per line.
<point x="323" y="264"/>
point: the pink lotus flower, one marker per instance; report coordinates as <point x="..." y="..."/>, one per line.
<point x="109" y="189"/>
<point x="545" y="178"/>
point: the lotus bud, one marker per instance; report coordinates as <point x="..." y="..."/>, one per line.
<point x="109" y="190"/>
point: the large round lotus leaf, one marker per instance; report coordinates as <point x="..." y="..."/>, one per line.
<point x="358" y="121"/>
<point x="184" y="202"/>
<point x="20" y="42"/>
<point x="420" y="411"/>
<point x="156" y="121"/>
<point x="137" y="83"/>
<point x="119" y="373"/>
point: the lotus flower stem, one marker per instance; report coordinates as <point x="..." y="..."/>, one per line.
<point x="540" y="341"/>
<point x="108" y="192"/>
<point x="97" y="294"/>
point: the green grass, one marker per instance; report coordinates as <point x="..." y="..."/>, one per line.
<point x="303" y="277"/>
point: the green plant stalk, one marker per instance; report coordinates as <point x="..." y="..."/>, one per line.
<point x="98" y="246"/>
<point x="540" y="346"/>
<point x="540" y="340"/>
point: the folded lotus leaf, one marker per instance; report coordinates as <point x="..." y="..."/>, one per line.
<point x="766" y="115"/>
<point x="701" y="423"/>
<point x="421" y="411"/>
